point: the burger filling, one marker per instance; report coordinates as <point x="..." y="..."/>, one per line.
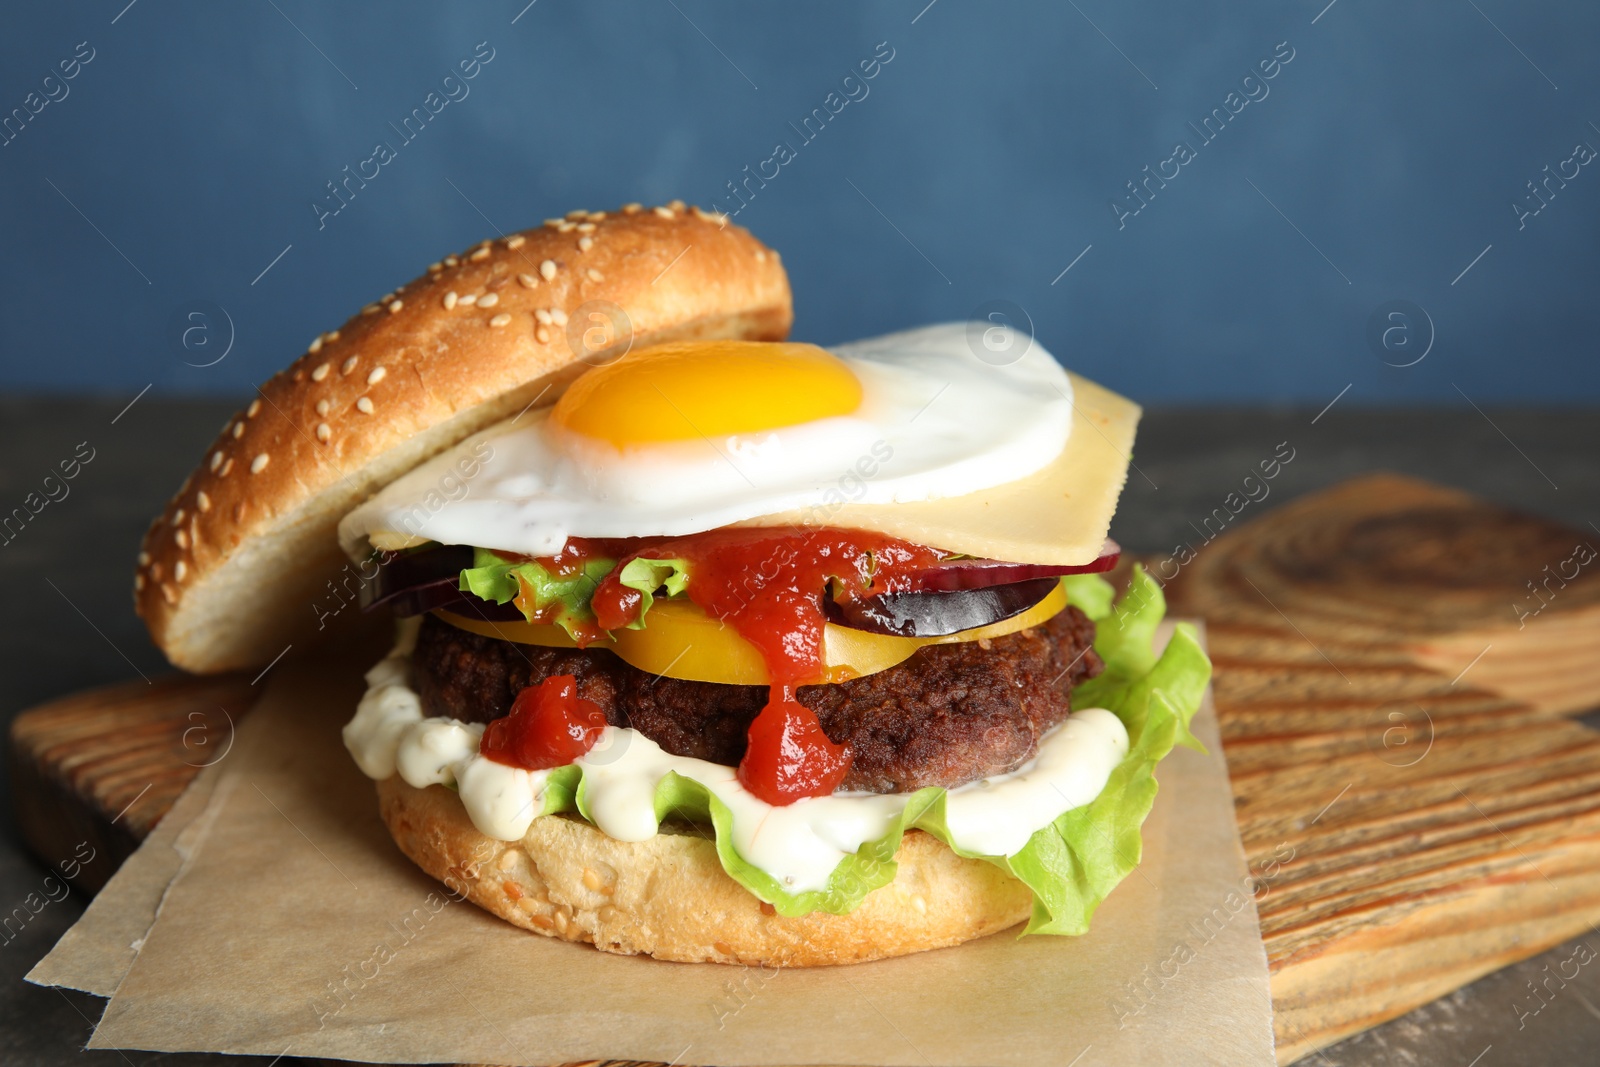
<point x="810" y="695"/>
<point x="769" y="592"/>
<point x="950" y="714"/>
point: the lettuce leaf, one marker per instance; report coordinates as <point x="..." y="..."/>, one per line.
<point x="1090" y="594"/>
<point x="559" y="598"/>
<point x="501" y="580"/>
<point x="1072" y="864"/>
<point x="648" y="575"/>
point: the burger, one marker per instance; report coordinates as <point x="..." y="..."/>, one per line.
<point x="710" y="645"/>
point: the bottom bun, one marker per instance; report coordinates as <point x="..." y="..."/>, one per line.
<point x="670" y="898"/>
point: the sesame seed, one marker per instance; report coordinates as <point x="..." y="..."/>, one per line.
<point x="324" y="431"/>
<point x="259" y="464"/>
<point x="316" y="346"/>
<point x="543" y="335"/>
<point x="633" y="208"/>
<point x="502" y="319"/>
<point x="216" y="460"/>
<point x="320" y="373"/>
<point x="585" y="227"/>
<point x="451" y="261"/>
<point x="324" y="406"/>
<point x="676" y="205"/>
<point x="177" y="517"/>
<point x="333" y="335"/>
<point x="580" y="213"/>
<point x="566" y="227"/>
<point x="528" y="281"/>
<point x="377" y="375"/>
<point x="596" y="216"/>
<point x="348" y="365"/>
<point x="202" y="501"/>
<point x="181" y="538"/>
<point x="435" y="268"/>
<point x="450" y="299"/>
<point x="544" y="317"/>
<point x="138" y="583"/>
<point x="386" y="297"/>
<point x="169" y="594"/>
<point x="552" y="222"/>
<point x="585" y="243"/>
<point x="180" y="570"/>
<point x="468" y="300"/>
<point x="558" y="316"/>
<point x="396" y="305"/>
<point x="594" y="275"/>
<point x="238" y="430"/>
<point x="144" y="559"/>
<point x="479" y="254"/>
<point x="488" y="300"/>
<point x="547" y="269"/>
<point x="664" y="212"/>
<point x="364" y="405"/>
<point x="516" y="240"/>
<point x="226" y="467"/>
<point x="255" y="406"/>
<point x="371" y="309"/>
<point x="761" y="255"/>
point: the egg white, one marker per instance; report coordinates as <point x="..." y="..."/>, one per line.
<point x="935" y="421"/>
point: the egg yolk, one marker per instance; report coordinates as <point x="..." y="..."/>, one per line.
<point x="689" y="389"/>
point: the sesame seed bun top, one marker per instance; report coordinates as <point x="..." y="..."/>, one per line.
<point x="238" y="566"/>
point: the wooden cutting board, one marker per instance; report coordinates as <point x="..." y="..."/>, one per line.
<point x="1395" y="667"/>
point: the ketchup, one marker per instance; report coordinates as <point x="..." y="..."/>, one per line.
<point x="768" y="585"/>
<point x="550" y="725"/>
<point x="788" y="756"/>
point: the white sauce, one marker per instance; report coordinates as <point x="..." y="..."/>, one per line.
<point x="996" y="816"/>
<point x="799" y="844"/>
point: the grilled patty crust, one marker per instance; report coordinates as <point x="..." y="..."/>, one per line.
<point x="949" y="714"/>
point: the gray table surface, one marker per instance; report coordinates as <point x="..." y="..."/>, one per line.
<point x="65" y="593"/>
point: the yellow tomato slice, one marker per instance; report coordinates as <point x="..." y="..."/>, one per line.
<point x="681" y="641"/>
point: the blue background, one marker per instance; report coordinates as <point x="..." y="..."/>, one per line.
<point x="1386" y="156"/>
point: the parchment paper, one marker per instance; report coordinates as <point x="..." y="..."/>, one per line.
<point x="97" y="952"/>
<point x="296" y="926"/>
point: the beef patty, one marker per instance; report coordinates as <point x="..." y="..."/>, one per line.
<point x="949" y="714"/>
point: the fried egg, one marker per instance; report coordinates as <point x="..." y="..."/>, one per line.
<point x="685" y="437"/>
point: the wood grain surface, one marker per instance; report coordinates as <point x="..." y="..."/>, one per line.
<point x="1417" y="807"/>
<point x="105" y="765"/>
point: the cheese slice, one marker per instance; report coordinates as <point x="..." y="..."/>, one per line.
<point x="1059" y="515"/>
